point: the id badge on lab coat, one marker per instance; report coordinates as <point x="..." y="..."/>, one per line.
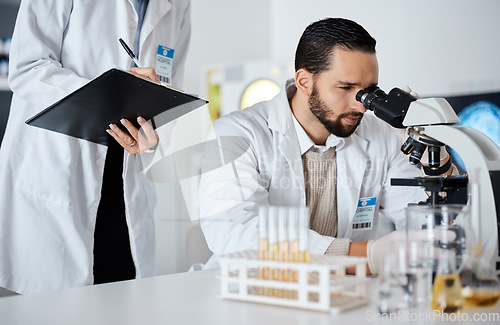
<point x="365" y="212"/>
<point x="363" y="225"/>
<point x="164" y="61"/>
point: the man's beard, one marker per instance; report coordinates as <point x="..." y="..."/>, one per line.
<point x="335" y="127"/>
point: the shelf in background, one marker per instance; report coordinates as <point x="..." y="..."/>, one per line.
<point x="4" y="86"/>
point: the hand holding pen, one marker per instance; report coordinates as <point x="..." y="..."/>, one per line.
<point x="130" y="53"/>
<point x="149" y="73"/>
<point x="134" y="140"/>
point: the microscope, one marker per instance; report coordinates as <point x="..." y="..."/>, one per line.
<point x="430" y="124"/>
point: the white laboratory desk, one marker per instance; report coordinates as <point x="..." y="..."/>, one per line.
<point x="185" y="298"/>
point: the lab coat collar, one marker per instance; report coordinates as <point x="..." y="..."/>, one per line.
<point x="280" y="120"/>
<point x="306" y="143"/>
<point x="156" y="10"/>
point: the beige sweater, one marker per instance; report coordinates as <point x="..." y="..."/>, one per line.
<point x="320" y="176"/>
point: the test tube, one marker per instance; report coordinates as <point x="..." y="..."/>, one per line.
<point x="293" y="238"/>
<point x="284" y="252"/>
<point x="304" y="234"/>
<point x="263" y="247"/>
<point x="293" y="234"/>
<point x="283" y="236"/>
<point x="273" y="242"/>
<point x="263" y="250"/>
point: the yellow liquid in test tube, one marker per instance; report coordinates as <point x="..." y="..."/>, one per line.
<point x="274" y="251"/>
<point x="263" y="249"/>
<point x="273" y="245"/>
<point x="293" y="233"/>
<point x="263" y="254"/>
<point x="283" y="248"/>
<point x="305" y="256"/>
<point x="304" y="234"/>
<point x="283" y="237"/>
<point x="282" y="272"/>
<point x="295" y="257"/>
<point x="299" y="241"/>
<point x="274" y="271"/>
<point x="284" y="256"/>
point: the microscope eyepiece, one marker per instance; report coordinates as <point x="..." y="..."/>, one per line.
<point x="366" y="96"/>
<point x="390" y="107"/>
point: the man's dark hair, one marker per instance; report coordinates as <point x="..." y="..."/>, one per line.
<point x="318" y="40"/>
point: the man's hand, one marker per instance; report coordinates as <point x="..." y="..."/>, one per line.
<point x="411" y="92"/>
<point x="376" y="249"/>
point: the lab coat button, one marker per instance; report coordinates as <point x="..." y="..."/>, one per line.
<point x="93" y="210"/>
<point x="100" y="162"/>
<point x="132" y="24"/>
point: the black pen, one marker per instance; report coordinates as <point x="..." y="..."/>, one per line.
<point x="130" y="53"/>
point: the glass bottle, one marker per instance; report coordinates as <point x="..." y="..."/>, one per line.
<point x="447" y="288"/>
<point x="480" y="286"/>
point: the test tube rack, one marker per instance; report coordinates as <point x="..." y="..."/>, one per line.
<point x="322" y="284"/>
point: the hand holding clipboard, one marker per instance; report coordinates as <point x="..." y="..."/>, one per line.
<point x="113" y="96"/>
<point x="135" y="141"/>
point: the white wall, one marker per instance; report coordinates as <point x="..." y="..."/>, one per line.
<point x="226" y="31"/>
<point x="435" y="46"/>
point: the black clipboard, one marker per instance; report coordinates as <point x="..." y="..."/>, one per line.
<point x="87" y="112"/>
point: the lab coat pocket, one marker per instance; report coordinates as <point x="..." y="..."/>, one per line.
<point x="49" y="168"/>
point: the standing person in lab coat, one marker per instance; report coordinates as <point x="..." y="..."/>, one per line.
<point x="314" y="145"/>
<point x="54" y="189"/>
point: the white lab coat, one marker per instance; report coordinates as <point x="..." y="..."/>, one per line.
<point x="50" y="184"/>
<point x="262" y="165"/>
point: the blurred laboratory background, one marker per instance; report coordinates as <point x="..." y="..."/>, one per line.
<point x="242" y="52"/>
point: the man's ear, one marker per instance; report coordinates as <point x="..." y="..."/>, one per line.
<point x="304" y="81"/>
